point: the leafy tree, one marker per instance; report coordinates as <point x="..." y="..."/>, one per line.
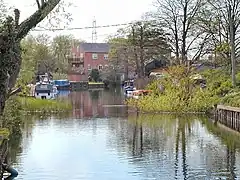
<point x="29" y="63"/>
<point x="149" y="42"/>
<point x="61" y="49"/>
<point x="43" y="55"/>
<point x="120" y="55"/>
<point x="140" y="43"/>
<point x="95" y="75"/>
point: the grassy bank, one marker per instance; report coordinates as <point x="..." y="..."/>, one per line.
<point x="180" y="93"/>
<point x="43" y="105"/>
<point x="17" y="107"/>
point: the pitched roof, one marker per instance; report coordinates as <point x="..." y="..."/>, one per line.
<point x="95" y="47"/>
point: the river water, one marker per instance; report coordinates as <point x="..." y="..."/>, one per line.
<point x="101" y="142"/>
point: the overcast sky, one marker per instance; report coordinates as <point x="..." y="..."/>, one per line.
<point x="83" y="12"/>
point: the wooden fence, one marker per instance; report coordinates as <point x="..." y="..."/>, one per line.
<point x="228" y="116"/>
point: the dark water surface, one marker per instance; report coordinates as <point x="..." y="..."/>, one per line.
<point x="98" y="142"/>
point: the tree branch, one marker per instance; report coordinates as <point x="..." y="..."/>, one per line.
<point x="36" y="18"/>
<point x="38" y="4"/>
<point x="15" y="91"/>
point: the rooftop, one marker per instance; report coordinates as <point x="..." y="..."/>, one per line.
<point x="95" y="47"/>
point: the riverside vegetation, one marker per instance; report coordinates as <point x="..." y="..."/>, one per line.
<point x="18" y="107"/>
<point x="179" y="93"/>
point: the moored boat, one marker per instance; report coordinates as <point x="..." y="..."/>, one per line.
<point x="129" y="87"/>
<point x="62" y="84"/>
<point x="139" y="93"/>
<point x="45" y="88"/>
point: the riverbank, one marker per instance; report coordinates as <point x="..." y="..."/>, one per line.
<point x="17" y="107"/>
<point x="179" y="93"/>
<point x="43" y="105"/>
<point x="84" y="85"/>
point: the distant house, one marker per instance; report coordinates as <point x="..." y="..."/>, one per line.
<point x="85" y="57"/>
<point x="94" y="55"/>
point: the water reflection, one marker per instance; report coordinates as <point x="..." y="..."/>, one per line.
<point x="197" y="154"/>
<point x="10" y="177"/>
<point x="88" y="104"/>
<point x="99" y="142"/>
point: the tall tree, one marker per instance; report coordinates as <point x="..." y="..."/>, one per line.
<point x="29" y="62"/>
<point x="149" y="42"/>
<point x="211" y="21"/>
<point x="43" y="55"/>
<point x="11" y="34"/>
<point x="61" y="49"/>
<point x="221" y="19"/>
<point x="120" y="55"/>
<point x="178" y="18"/>
<point x="138" y="44"/>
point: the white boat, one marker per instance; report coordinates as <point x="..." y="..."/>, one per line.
<point x="45" y="89"/>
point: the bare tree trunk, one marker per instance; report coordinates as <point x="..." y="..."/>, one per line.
<point x="232" y="45"/>
<point x="184" y="35"/>
<point x="126" y="65"/>
<point x="141" y="53"/>
<point x="135" y="53"/>
<point x="176" y="44"/>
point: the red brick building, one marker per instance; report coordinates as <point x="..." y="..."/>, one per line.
<point x="85" y="57"/>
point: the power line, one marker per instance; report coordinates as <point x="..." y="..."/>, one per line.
<point x="81" y="28"/>
<point x="91" y="27"/>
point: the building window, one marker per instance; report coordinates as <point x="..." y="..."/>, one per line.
<point x="94" y="56"/>
<point x="100" y="67"/>
<point x="89" y="67"/>
<point x="105" y="56"/>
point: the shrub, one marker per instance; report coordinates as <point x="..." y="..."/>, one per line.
<point x="179" y="93"/>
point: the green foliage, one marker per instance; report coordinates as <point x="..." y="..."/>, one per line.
<point x="17" y="107"/>
<point x="182" y="94"/>
<point x="231" y="99"/>
<point x="223" y="48"/>
<point x="39" y="54"/>
<point x="12" y="117"/>
<point x="35" y="56"/>
<point x="43" y="105"/>
<point x="61" y="50"/>
<point x="149" y="35"/>
<point x="95" y="75"/>
<point x="137" y="44"/>
<point x="59" y="76"/>
<point x="218" y="82"/>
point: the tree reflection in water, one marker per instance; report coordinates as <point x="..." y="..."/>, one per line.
<point x="146" y="129"/>
<point x="231" y="162"/>
<point x="172" y="146"/>
<point x="10" y="177"/>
